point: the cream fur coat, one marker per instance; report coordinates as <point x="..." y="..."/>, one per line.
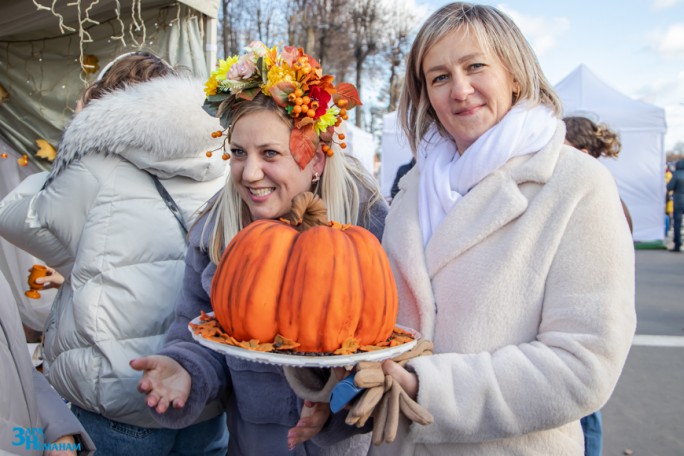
<point x="527" y="291"/>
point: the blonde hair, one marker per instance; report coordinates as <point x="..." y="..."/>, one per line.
<point x="495" y="32"/>
<point x="596" y="138"/>
<point x="338" y="187"/>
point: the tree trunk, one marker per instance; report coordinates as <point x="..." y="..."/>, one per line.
<point x="359" y="71"/>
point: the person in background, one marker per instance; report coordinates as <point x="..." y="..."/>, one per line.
<point x="403" y="169"/>
<point x="101" y="219"/>
<point x="676" y="186"/>
<point x="509" y="249"/>
<point x="669" y="204"/>
<point x="28" y="402"/>
<point x="596" y="140"/>
<point x="265" y="417"/>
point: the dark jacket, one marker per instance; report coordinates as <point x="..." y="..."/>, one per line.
<point x="676" y="185"/>
<point x="403" y="169"/>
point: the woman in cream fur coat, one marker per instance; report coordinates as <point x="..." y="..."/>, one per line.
<point x="510" y="251"/>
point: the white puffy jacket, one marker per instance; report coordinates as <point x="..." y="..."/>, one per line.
<point x="102" y="224"/>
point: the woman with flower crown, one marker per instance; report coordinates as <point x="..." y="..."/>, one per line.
<point x="281" y="114"/>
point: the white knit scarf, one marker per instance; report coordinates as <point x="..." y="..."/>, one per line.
<point x="445" y="176"/>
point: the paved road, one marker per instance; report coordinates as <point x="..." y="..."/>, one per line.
<point x="646" y="412"/>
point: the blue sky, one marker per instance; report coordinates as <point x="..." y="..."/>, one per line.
<point x="635" y="46"/>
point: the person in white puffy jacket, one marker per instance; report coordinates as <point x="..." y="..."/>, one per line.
<point x="100" y="221"/>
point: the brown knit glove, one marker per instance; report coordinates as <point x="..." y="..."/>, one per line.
<point x="384" y="398"/>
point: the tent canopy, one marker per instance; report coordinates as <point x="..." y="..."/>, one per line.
<point x="21" y="19"/>
<point x="639" y="169"/>
<point x="40" y="71"/>
<point x="582" y="90"/>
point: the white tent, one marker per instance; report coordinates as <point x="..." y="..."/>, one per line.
<point x="395" y="151"/>
<point x="41" y="79"/>
<point x="360" y="144"/>
<point x="639" y="169"/>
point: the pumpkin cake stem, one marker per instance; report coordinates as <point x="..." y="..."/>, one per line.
<point x="308" y="211"/>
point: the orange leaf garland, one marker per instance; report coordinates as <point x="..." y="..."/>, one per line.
<point x="303" y="143"/>
<point x="346" y="91"/>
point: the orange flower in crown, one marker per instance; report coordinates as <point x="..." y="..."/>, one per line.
<point x="296" y="83"/>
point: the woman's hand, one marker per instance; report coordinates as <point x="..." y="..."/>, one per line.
<point x="407" y="380"/>
<point x="165" y="382"/>
<point x="68" y="442"/>
<point x="312" y="419"/>
<point x="53" y="279"/>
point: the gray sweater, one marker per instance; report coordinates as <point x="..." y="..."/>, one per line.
<point x="261" y="405"/>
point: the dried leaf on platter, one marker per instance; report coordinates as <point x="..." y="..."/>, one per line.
<point x="349" y="346"/>
<point x="403" y="332"/>
<point x="250" y="344"/>
<point x="282" y="343"/>
<point x="264" y="348"/>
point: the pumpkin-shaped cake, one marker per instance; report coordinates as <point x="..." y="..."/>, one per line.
<point x="314" y="282"/>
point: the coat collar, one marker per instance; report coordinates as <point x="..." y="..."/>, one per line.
<point x="494" y="202"/>
<point x="403" y="229"/>
<point x="491" y="204"/>
<point x="158" y="125"/>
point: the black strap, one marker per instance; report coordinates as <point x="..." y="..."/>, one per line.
<point x="170" y="203"/>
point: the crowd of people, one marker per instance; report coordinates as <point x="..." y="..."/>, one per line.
<point x="508" y="243"/>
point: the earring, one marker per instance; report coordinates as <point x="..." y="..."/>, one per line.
<point x="316" y="178"/>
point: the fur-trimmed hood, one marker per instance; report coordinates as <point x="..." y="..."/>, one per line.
<point x="158" y="125"/>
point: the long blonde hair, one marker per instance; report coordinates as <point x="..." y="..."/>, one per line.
<point x="339" y="186"/>
<point x="494" y="31"/>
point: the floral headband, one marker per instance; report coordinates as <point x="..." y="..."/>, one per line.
<point x="296" y="83"/>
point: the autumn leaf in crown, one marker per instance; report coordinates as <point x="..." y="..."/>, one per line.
<point x="303" y="144"/>
<point x="296" y="82"/>
<point x="347" y="91"/>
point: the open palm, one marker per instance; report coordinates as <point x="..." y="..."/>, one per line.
<point x="165" y="382"/>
